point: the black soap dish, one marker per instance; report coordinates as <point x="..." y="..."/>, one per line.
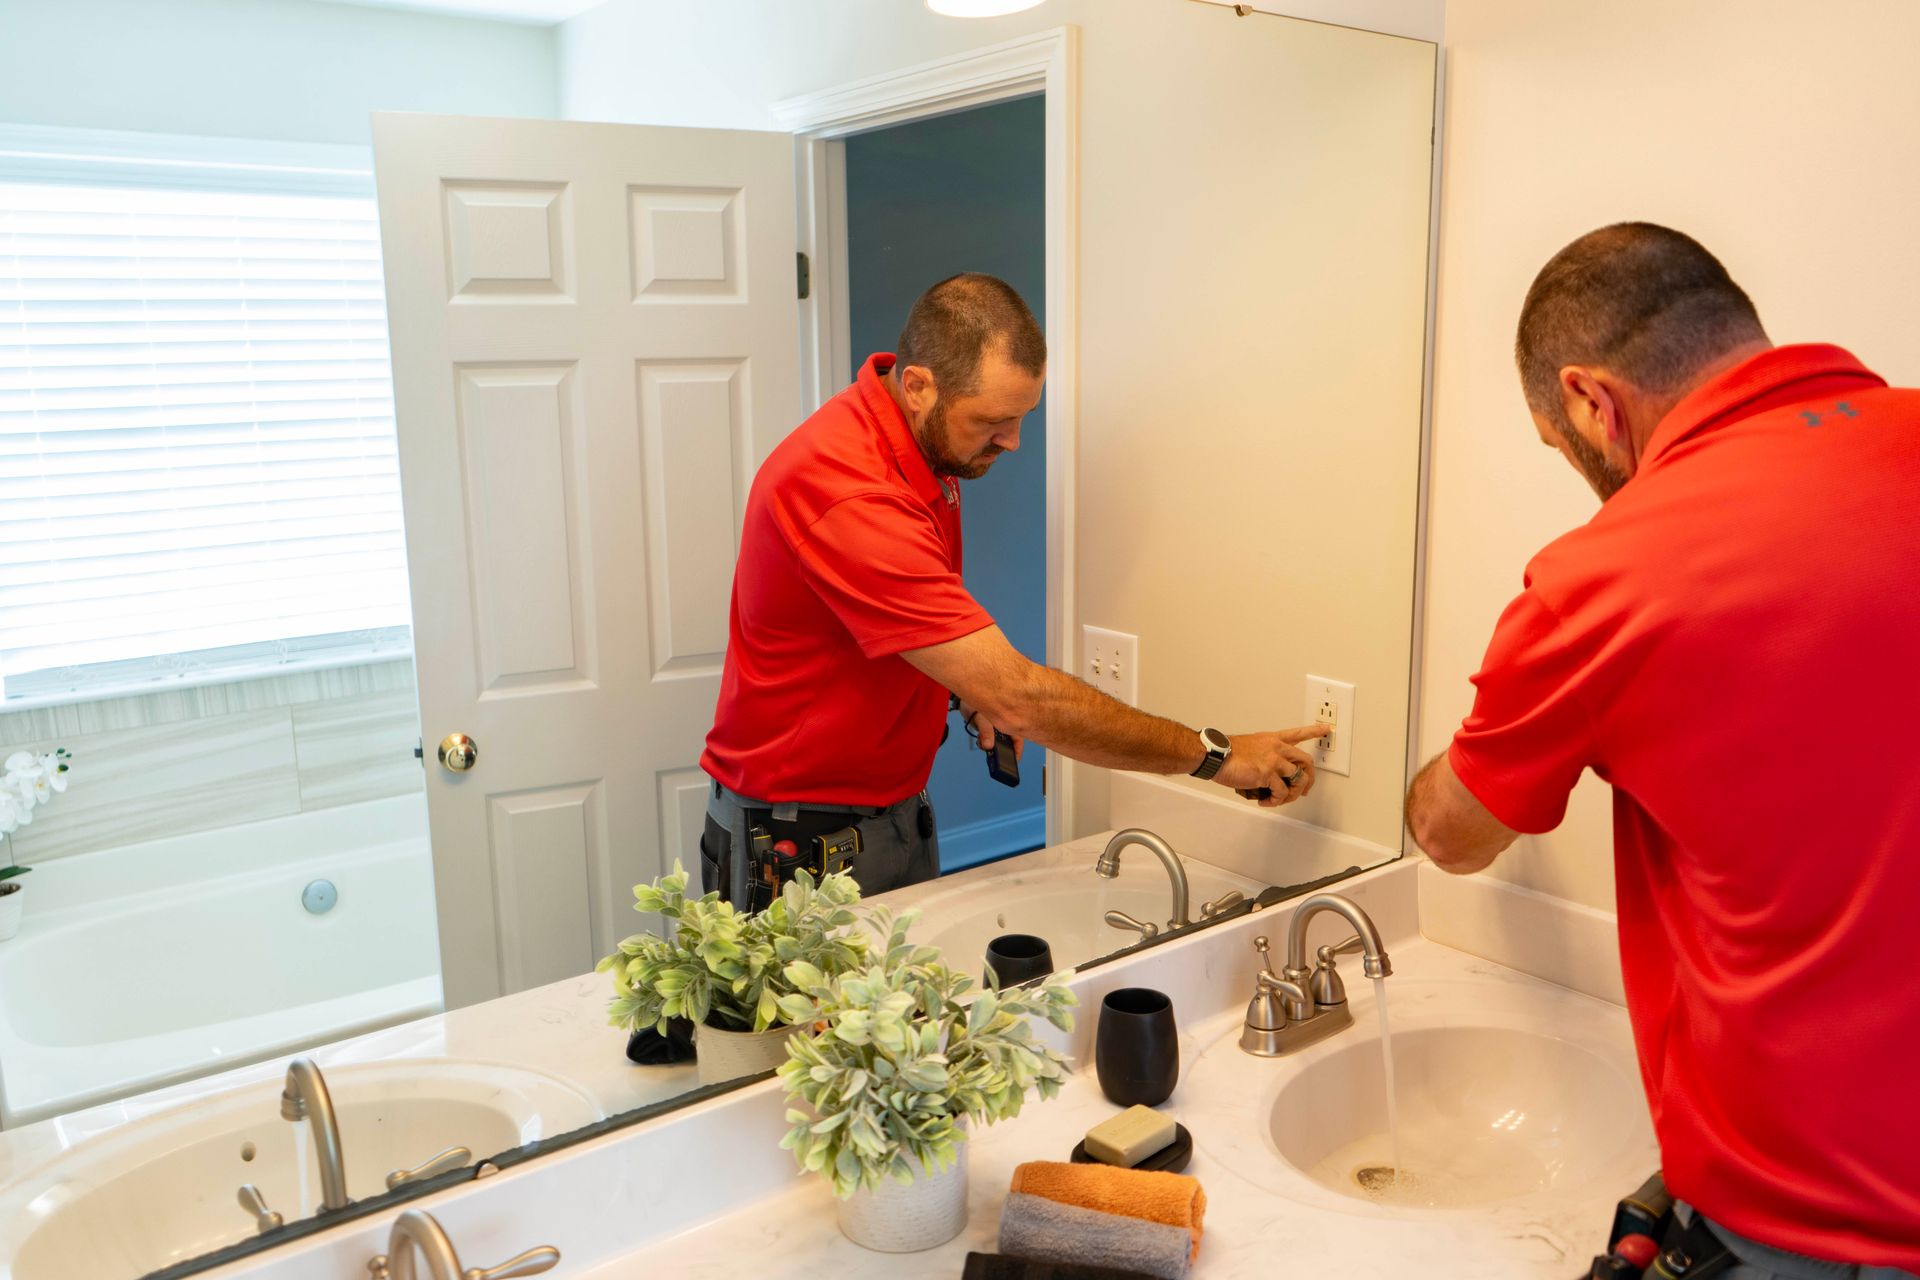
<point x="1171" y="1158"/>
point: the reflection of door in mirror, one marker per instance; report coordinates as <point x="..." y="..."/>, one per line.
<point x="595" y="339"/>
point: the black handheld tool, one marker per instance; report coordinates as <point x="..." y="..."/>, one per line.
<point x="1003" y="764"/>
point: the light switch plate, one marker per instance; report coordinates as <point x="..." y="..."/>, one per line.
<point x="1331" y="701"/>
<point x="1110" y="662"/>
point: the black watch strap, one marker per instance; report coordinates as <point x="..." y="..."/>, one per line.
<point x="1216" y="756"/>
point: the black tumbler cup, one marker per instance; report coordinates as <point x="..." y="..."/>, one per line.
<point x="1136" y="1049"/>
<point x="1018" y="957"/>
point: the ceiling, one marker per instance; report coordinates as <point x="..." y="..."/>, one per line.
<point x="542" y="13"/>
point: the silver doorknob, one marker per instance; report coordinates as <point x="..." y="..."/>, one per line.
<point x="458" y="752"/>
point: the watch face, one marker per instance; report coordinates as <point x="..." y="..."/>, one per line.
<point x="1215" y="740"/>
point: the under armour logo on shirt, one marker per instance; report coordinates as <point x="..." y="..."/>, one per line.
<point x="1844" y="409"/>
<point x="953" y="492"/>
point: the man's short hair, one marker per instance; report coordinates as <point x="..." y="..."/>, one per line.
<point x="1644" y="301"/>
<point x="953" y="324"/>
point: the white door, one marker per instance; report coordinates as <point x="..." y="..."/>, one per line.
<point x="595" y="344"/>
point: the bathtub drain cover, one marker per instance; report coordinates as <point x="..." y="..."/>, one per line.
<point x="319" y="897"/>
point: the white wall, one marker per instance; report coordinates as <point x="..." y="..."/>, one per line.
<point x="282" y="69"/>
<point x="1253" y="247"/>
<point x="1784" y="135"/>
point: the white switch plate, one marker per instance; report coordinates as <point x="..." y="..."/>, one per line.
<point x="1110" y="662"/>
<point x="1332" y="702"/>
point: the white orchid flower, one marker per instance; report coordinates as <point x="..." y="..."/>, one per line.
<point x="9" y="814"/>
<point x="56" y="771"/>
<point x="19" y="760"/>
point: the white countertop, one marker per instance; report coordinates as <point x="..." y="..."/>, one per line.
<point x="1251" y="1231"/>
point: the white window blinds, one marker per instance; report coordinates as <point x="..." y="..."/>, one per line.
<point x="196" y="419"/>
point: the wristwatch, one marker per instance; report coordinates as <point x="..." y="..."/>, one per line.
<point x="1218" y="748"/>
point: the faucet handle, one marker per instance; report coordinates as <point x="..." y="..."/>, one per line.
<point x="451" y="1158"/>
<point x="531" y="1263"/>
<point x="256" y="1204"/>
<point x="1352" y="946"/>
<point x="1222" y="904"/>
<point x="1121" y="920"/>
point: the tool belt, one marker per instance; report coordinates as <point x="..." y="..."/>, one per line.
<point x="817" y="842"/>
<point x="1648" y="1241"/>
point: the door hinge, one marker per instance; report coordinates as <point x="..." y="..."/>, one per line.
<point x="805" y="271"/>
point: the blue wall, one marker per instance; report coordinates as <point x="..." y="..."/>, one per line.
<point x="967" y="192"/>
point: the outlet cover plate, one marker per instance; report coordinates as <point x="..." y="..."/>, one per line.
<point x="1331" y="700"/>
<point x="1110" y="662"/>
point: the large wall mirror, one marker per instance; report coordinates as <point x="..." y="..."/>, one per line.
<point x="375" y="436"/>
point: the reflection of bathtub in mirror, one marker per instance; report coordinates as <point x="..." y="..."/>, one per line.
<point x="151" y="963"/>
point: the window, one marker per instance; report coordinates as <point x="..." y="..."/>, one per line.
<point x="197" y="452"/>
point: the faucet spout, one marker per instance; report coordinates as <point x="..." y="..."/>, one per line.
<point x="1376" y="964"/>
<point x="1108" y="867"/>
<point x="305" y="1098"/>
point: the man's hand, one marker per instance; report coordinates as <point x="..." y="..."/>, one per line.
<point x="1273" y="761"/>
<point x="983" y="732"/>
<point x="1449" y="823"/>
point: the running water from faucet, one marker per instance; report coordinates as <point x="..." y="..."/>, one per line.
<point x="1386" y="1059"/>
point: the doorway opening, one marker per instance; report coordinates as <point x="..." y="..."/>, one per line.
<point x="925" y="200"/>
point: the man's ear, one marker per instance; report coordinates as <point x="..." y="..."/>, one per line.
<point x="1588" y="398"/>
<point x="917" y="385"/>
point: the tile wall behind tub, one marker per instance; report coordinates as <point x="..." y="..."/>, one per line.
<point x="183" y="760"/>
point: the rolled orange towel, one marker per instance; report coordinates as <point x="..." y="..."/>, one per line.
<point x="1170" y="1198"/>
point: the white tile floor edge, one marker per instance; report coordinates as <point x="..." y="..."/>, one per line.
<point x="620" y="1192"/>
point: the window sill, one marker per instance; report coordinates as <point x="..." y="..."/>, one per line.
<point x="64" y="686"/>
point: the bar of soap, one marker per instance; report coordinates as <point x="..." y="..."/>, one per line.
<point x="1130" y="1137"/>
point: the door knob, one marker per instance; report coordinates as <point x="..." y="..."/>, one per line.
<point x="458" y="752"/>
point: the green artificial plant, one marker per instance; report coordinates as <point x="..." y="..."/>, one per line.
<point x="726" y="968"/>
<point x="900" y="1062"/>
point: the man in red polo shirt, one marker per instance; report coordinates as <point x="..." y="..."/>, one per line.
<point x="851" y="625"/>
<point x="1730" y="642"/>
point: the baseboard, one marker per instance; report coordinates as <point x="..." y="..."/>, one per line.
<point x="1551" y="938"/>
<point x="973" y="843"/>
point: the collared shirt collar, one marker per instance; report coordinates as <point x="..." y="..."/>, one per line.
<point x="893" y="426"/>
<point x="1780" y="375"/>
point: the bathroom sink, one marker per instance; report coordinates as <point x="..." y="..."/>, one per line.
<point x="1066" y="905"/>
<point x="1507" y="1092"/>
<point x="162" y="1190"/>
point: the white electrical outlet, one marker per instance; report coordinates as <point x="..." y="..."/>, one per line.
<point x="1110" y="662"/>
<point x="1331" y="702"/>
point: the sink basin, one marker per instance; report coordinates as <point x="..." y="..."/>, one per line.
<point x="1509" y="1093"/>
<point x="162" y="1189"/>
<point x="1486" y="1114"/>
<point x="1066" y="906"/>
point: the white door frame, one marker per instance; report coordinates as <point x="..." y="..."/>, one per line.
<point x="1047" y="62"/>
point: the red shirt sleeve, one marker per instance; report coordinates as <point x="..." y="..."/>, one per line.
<point x="880" y="564"/>
<point x="1531" y="733"/>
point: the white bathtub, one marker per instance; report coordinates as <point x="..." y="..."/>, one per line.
<point x="140" y="966"/>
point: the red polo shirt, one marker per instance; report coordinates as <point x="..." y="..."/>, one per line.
<point x="849" y="555"/>
<point x="1731" y="642"/>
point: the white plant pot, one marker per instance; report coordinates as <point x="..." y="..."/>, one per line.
<point x="924" y="1214"/>
<point x="10" y="905"/>
<point x="721" y="1055"/>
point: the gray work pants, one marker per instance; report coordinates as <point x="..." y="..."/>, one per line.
<point x="1764" y="1262"/>
<point x="898" y="843"/>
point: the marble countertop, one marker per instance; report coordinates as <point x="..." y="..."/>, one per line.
<point x="1251" y="1230"/>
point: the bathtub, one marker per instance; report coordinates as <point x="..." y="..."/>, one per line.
<point x="148" y="964"/>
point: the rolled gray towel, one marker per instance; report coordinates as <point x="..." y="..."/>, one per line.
<point x="1036" y="1227"/>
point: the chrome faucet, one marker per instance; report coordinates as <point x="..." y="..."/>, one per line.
<point x="305" y="1097"/>
<point x="1298" y="1006"/>
<point x="1108" y="866"/>
<point x="415" y="1230"/>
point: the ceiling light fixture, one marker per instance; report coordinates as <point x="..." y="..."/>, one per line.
<point x="979" y="8"/>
